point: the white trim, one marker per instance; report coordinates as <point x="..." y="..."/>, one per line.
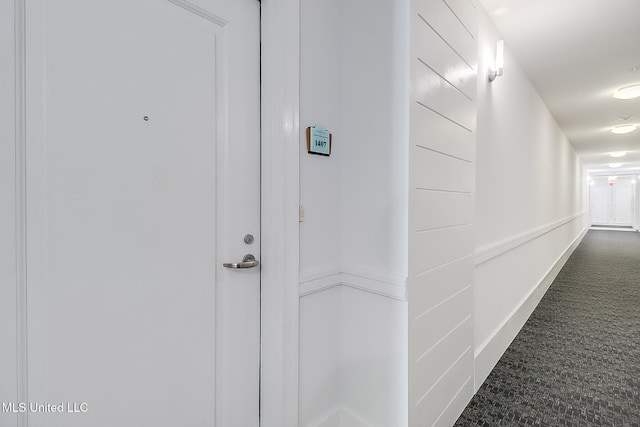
<point x="605" y="228"/>
<point x="280" y="99"/>
<point x="200" y="12"/>
<point x="485" y="253"/>
<point x="320" y="280"/>
<point x="378" y="287"/>
<point x="21" y="207"/>
<point x="375" y="282"/>
<point x="489" y="352"/>
<point x="322" y="273"/>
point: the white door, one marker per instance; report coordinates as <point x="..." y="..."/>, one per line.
<point x="622" y="202"/>
<point x="599" y="201"/>
<point x="142" y="180"/>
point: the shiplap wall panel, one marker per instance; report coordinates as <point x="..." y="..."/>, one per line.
<point x="459" y="402"/>
<point x="440" y="96"/>
<point x="441" y="246"/>
<point x="442" y="124"/>
<point x="443" y="60"/>
<point x="443" y="21"/>
<point x="453" y="209"/>
<point x="466" y="12"/>
<point x="455" y="380"/>
<point x="452" y="138"/>
<point x="434" y="286"/>
<point x="431" y="365"/>
<point x="443" y="172"/>
<point x="448" y="316"/>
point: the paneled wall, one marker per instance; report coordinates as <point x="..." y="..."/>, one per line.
<point x="442" y="154"/>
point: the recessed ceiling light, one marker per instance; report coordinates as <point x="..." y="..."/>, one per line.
<point x="615" y="165"/>
<point x="622" y="129"/>
<point x="628" y="92"/>
<point x="500" y="11"/>
<point x="618" y="154"/>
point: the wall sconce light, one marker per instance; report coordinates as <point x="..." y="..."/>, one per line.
<point x="499" y="68"/>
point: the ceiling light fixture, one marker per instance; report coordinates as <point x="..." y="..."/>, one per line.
<point x="500" y="11"/>
<point x="499" y="68"/>
<point x="622" y="129"/>
<point x="628" y="92"/>
<point x="618" y="154"/>
<point x="615" y="165"/>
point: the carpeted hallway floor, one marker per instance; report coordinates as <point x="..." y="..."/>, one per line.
<point x="576" y="362"/>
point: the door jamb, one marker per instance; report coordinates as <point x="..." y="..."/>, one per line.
<point x="280" y="189"/>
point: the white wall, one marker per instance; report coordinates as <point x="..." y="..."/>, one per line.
<point x="373" y="348"/>
<point x="8" y="354"/>
<point x="353" y="239"/>
<point x="374" y="173"/>
<point x="442" y="139"/>
<point x="320" y="103"/>
<point x="529" y="209"/>
<point x="319" y="387"/>
<point x="320" y="195"/>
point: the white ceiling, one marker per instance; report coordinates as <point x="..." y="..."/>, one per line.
<point x="576" y="53"/>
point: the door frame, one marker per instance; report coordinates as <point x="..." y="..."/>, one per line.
<point x="280" y="181"/>
<point x="280" y="140"/>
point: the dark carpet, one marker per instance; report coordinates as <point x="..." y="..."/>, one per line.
<point x="576" y="362"/>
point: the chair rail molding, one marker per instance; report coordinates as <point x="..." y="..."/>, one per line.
<point x="490" y="251"/>
<point x="367" y="280"/>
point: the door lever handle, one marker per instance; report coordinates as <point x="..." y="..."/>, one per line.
<point x="249" y="261"/>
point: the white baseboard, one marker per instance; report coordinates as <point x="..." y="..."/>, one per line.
<point x="489" y="353"/>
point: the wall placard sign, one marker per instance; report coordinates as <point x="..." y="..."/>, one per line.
<point x="318" y="140"/>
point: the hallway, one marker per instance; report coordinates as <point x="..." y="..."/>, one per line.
<point x="577" y="359"/>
